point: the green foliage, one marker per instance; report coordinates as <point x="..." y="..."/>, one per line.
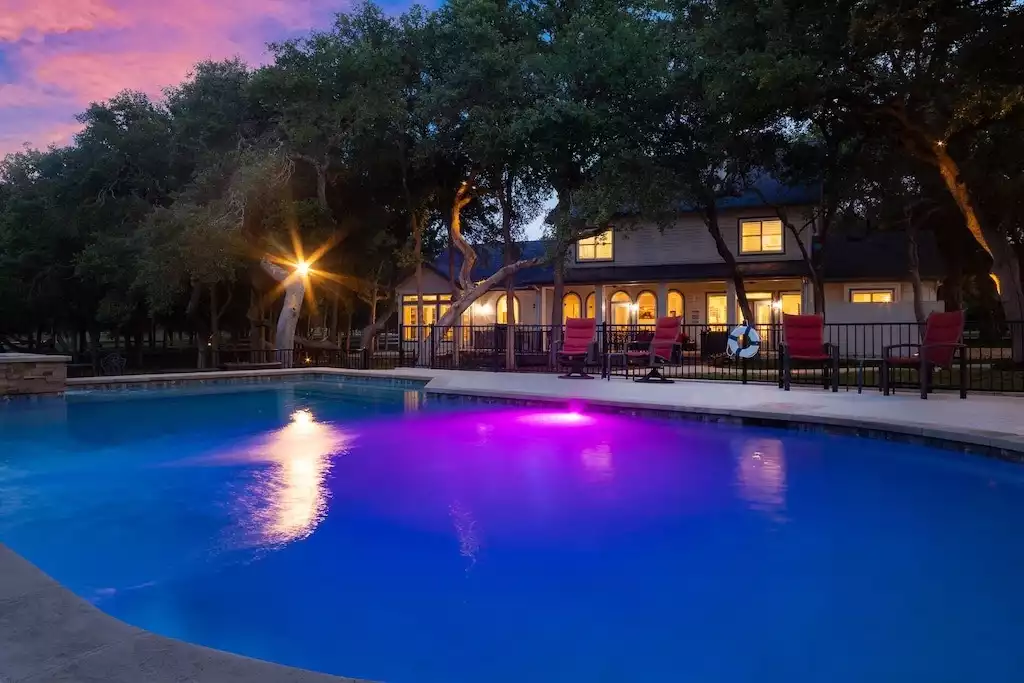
<point x="360" y="134"/>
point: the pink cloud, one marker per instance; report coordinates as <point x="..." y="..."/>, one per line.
<point x="98" y="76"/>
<point x="106" y="46"/>
<point x="59" y="134"/>
<point x="28" y="18"/>
<point x="18" y="95"/>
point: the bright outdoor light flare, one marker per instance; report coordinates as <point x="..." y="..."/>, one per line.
<point x="302" y="268"/>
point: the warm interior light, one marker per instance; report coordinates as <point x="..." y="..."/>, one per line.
<point x="777" y="305"/>
<point x="302" y="268"/>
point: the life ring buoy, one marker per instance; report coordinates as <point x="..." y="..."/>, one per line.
<point x="751" y="341"/>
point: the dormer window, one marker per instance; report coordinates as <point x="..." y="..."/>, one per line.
<point x="597" y="248"/>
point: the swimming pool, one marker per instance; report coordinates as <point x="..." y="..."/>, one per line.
<point x="356" y="529"/>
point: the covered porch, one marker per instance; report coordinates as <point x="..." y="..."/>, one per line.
<point x="710" y="303"/>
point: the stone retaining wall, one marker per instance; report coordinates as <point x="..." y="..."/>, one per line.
<point x="25" y="373"/>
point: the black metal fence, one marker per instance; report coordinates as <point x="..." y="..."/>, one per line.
<point x="701" y="352"/>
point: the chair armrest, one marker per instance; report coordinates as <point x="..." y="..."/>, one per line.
<point x="933" y="345"/>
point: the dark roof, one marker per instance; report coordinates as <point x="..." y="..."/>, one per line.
<point x="767" y="191"/>
<point x="490" y="257"/>
<point x="880" y="255"/>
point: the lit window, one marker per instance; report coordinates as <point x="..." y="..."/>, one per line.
<point x="590" y="306"/>
<point x="761" y="237"/>
<point x="872" y="296"/>
<point x="790" y="303"/>
<point x="571" y="306"/>
<point x="434" y="306"/>
<point x="597" y="248"/>
<point x="675" y="304"/>
<point x="621" y="305"/>
<point x="502" y="309"/>
<point x="646" y="308"/>
<point x="716" y="309"/>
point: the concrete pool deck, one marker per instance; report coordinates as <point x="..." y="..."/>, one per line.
<point x="50" y="635"/>
<point x="47" y="634"/>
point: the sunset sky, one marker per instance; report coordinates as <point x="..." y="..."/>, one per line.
<point x="56" y="56"/>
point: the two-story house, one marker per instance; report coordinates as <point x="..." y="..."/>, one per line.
<point x="637" y="271"/>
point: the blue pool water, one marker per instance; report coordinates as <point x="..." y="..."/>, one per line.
<point x="357" y="531"/>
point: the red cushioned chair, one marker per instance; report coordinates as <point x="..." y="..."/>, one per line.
<point x="575" y="348"/>
<point x="659" y="352"/>
<point x="804" y="342"/>
<point x="943" y="334"/>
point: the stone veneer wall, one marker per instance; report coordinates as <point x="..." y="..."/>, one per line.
<point x="32" y="374"/>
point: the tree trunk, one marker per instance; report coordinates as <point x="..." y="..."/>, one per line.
<point x="711" y="221"/>
<point x="371" y="331"/>
<point x="1006" y="268"/>
<point x="294" y="293"/>
<point x="214" y="328"/>
<point x="335" y="324"/>
<point x="558" y="291"/>
<point x="915" y="273"/>
<point x="94" y="349"/>
<point x="348" y="332"/>
<point x="321" y="186"/>
<point x="1005" y="265"/>
<point x="505" y="198"/>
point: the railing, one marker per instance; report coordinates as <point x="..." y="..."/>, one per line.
<point x="701" y="353"/>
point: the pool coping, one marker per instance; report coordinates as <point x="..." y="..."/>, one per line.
<point x="1003" y="445"/>
<point x="999" y="445"/>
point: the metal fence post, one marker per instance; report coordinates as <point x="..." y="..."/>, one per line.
<point x="433" y="345"/>
<point x="401" y="344"/>
<point x="743" y="368"/>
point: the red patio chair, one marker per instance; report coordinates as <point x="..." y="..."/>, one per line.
<point x="576" y="346"/>
<point x="659" y="352"/>
<point x="943" y="333"/>
<point x="804" y="342"/>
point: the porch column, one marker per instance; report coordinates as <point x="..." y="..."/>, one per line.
<point x="598" y="304"/>
<point x="806" y="296"/>
<point x="662" y="299"/>
<point x="545" y="317"/>
<point x="730" y="302"/>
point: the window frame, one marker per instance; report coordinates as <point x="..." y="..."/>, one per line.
<point x="682" y="303"/>
<point x="579" y="302"/>
<point x="631" y="317"/>
<point x="755" y="219"/>
<point x="707" y="309"/>
<point x="654" y="295"/>
<point x="871" y="290"/>
<point x="611" y="243"/>
<point x="517" y="309"/>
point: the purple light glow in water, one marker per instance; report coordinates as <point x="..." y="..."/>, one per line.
<point x="570" y="418"/>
